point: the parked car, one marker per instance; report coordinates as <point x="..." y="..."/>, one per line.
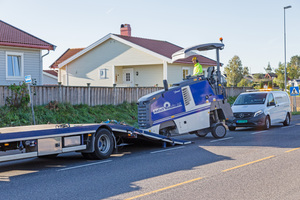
<point x="261" y="109"/>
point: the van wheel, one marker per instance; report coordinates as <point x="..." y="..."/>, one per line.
<point x="287" y="120"/>
<point x="267" y="123"/>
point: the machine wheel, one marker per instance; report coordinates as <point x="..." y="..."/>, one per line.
<point x="218" y="131"/>
<point x="201" y="133"/>
<point x="267" y="123"/>
<point x="232" y="128"/>
<point x="287" y="120"/>
<point x="104" y="144"/>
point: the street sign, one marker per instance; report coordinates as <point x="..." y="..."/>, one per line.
<point x="294" y="91"/>
<point x="28" y="79"/>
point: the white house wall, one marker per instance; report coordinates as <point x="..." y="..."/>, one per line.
<point x="48" y="80"/>
<point x="175" y="74"/>
<point x="150" y="75"/>
<point x="86" y="68"/>
<point x="32" y="64"/>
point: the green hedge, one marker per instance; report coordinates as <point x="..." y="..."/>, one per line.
<point x="56" y="113"/>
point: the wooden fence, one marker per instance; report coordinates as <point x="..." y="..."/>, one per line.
<point x="92" y="95"/>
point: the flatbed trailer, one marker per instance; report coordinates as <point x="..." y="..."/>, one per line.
<point x="94" y="141"/>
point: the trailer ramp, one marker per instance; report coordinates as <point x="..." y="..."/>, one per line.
<point x="132" y="132"/>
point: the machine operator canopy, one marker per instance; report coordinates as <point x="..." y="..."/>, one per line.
<point x="190" y="51"/>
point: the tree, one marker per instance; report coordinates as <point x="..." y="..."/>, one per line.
<point x="234" y="71"/>
<point x="246" y="71"/>
<point x="280" y="75"/>
<point x="258" y="76"/>
<point x="293" y="68"/>
<point x="268" y="69"/>
<point x="244" y="83"/>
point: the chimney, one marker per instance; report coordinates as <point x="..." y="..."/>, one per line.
<point x="125" y="30"/>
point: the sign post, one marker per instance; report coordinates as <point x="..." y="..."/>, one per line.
<point x="28" y="81"/>
<point x="294" y="91"/>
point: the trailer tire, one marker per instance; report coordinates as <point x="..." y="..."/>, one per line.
<point x="218" y="130"/>
<point x="104" y="144"/>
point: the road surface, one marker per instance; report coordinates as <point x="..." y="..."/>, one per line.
<point x="246" y="164"/>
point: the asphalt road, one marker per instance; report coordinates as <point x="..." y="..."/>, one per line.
<point x="246" y="164"/>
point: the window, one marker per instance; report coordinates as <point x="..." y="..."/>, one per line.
<point x="271" y="99"/>
<point x="14" y="65"/>
<point x="185" y="72"/>
<point x="103" y="74"/>
<point x="127" y="76"/>
<point x="251" y="98"/>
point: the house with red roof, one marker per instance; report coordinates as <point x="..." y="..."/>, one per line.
<point x="67" y="54"/>
<point x="20" y="55"/>
<point x="50" y="77"/>
<point x="125" y="61"/>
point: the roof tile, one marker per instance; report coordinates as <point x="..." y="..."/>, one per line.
<point x="52" y="72"/>
<point x="67" y="54"/>
<point x="12" y="36"/>
<point x="166" y="49"/>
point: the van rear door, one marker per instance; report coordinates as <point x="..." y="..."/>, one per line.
<point x="283" y="104"/>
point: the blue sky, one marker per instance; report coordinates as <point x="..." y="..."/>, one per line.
<point x="253" y="30"/>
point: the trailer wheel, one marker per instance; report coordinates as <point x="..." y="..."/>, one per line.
<point x="219" y="130"/>
<point x="104" y="144"/>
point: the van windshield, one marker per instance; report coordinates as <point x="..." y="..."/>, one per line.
<point x="250" y="99"/>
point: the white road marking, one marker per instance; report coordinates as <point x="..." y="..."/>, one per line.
<point x="221" y="139"/>
<point x="288" y="126"/>
<point x="258" y="132"/>
<point x="79" y="166"/>
<point x="166" y="150"/>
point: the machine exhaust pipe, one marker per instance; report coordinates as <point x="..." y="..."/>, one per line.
<point x="166" y="87"/>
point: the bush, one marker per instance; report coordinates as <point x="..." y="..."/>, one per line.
<point x="19" y="98"/>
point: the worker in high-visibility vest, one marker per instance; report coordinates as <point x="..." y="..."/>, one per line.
<point x="197" y="67"/>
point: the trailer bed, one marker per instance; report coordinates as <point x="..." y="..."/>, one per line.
<point x="11" y="134"/>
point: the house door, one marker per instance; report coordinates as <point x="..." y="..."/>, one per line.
<point x="128" y="77"/>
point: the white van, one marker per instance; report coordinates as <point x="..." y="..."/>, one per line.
<point x="261" y="109"/>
